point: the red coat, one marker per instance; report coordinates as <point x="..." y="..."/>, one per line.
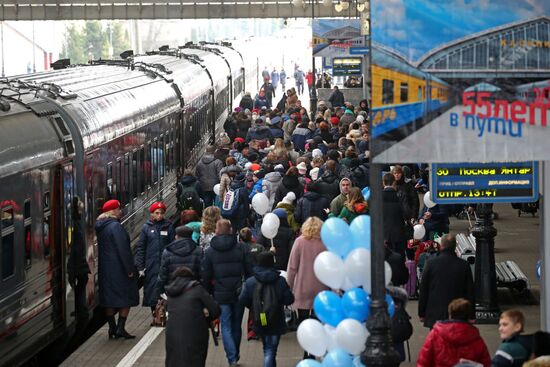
<point x="449" y="341"/>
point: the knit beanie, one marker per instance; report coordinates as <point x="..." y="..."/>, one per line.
<point x="289" y="198"/>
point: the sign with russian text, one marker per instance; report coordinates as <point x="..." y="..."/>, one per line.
<point x="460" y="81"/>
<point x="347" y="66"/>
<point x="464" y="183"/>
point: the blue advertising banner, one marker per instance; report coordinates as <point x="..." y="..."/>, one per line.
<point x="460" y="81"/>
<point x="465" y="183"/>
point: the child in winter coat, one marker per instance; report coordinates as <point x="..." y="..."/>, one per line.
<point x="515" y="348"/>
<point x="269" y="322"/>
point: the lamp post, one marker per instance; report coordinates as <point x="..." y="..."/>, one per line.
<point x="313" y="92"/>
<point x="379" y="347"/>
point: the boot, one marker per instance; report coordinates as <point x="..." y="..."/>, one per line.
<point x="121" y="332"/>
<point x="112" y="327"/>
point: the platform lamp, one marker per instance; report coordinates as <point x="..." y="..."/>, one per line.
<point x="313" y="92"/>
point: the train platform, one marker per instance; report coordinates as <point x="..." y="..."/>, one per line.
<point x="517" y="239"/>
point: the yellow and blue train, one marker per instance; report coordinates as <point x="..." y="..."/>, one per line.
<point x="404" y="98"/>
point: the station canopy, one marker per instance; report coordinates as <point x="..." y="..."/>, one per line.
<point x="148" y="9"/>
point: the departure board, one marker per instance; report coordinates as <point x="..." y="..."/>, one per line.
<point x="457" y="183"/>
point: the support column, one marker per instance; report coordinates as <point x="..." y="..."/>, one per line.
<point x="545" y="249"/>
<point x="379" y="349"/>
<point x="487" y="311"/>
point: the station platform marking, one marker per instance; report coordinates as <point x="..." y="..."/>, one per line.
<point x="140" y="348"/>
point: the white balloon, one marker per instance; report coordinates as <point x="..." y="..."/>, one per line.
<point x="357" y="267"/>
<point x="387" y="273"/>
<point x="428" y="201"/>
<point x="312" y="337"/>
<point x="260" y="203"/>
<point x="419" y="232"/>
<point x="329" y="269"/>
<point x="351" y="336"/>
<point x="270" y="226"/>
<point x="330" y="332"/>
<point x="217" y="189"/>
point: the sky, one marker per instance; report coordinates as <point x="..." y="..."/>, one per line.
<point x="413" y="27"/>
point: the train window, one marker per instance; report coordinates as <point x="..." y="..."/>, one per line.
<point x="119" y="173"/>
<point x="135" y="186"/>
<point x="28" y="234"/>
<point x="404" y="92"/>
<point x="109" y="181"/>
<point x="127" y="189"/>
<point x="8" y="229"/>
<point x="387" y="91"/>
<point x="46" y="224"/>
<point x="155" y="160"/>
<point x="147" y="166"/>
<point x="142" y="167"/>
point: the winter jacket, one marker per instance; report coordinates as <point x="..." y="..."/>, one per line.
<point x="360" y="177"/>
<point x="221" y="154"/>
<point x="288" y="184"/>
<point x="225" y="179"/>
<point x="259" y="133"/>
<point x="292" y="100"/>
<point x="283" y="244"/>
<point x="282" y="76"/>
<point x="399" y="272"/>
<point x="329" y="185"/>
<point x="394" y="221"/>
<point x="240" y="158"/>
<point x="336" y="98"/>
<point x="289" y="209"/>
<point x="337" y="204"/>
<point x="77" y="265"/>
<point x="408" y="198"/>
<point x="445" y="277"/>
<point x="288" y="128"/>
<point x="277" y="132"/>
<point x="226" y="264"/>
<point x="182" y="252"/>
<point x="246" y="102"/>
<point x="300" y="276"/>
<point x="513" y="352"/>
<point x="239" y="219"/>
<point x="256" y="188"/>
<point x="284" y="297"/>
<point x="270" y="185"/>
<point x="438" y="222"/>
<point x="312" y="204"/>
<point x="350" y="215"/>
<point x="191" y="182"/>
<point x="115" y="262"/>
<point x="299" y="137"/>
<point x="275" y="78"/>
<point x="207" y="171"/>
<point x="187" y="328"/>
<point x="451" y="340"/>
<point x="260" y="102"/>
<point x="242" y="127"/>
<point x="153" y="239"/>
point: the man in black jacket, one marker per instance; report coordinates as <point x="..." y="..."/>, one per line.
<point x="312" y="204"/>
<point x="336" y="98"/>
<point x="208" y="172"/>
<point x="226" y="264"/>
<point x="394" y="220"/>
<point x="329" y="183"/>
<point x="445" y="277"/>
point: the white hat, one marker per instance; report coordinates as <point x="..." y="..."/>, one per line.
<point x="279" y="168"/>
<point x="247" y="165"/>
<point x="289" y="198"/>
<point x="360" y="118"/>
<point x="314" y="173"/>
<point x="316" y="153"/>
<point x="302" y="168"/>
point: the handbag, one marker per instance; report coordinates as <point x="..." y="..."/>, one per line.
<point x="159" y="315"/>
<point x="401" y="327"/>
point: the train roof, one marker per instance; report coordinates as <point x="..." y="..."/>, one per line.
<point x="384" y="56"/>
<point x="527" y="86"/>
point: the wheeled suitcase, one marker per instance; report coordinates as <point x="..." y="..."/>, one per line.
<point x="411" y="285"/>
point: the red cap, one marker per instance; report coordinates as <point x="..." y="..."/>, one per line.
<point x="334" y="120"/>
<point x="239" y="140"/>
<point x="157" y="205"/>
<point x="254" y="167"/>
<point x="255" y="110"/>
<point x="110" y="205"/>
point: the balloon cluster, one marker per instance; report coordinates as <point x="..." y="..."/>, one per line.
<point x="340" y="333"/>
<point x="270" y="221"/>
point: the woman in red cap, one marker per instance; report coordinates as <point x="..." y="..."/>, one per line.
<point x="117" y="275"/>
<point x="156" y="234"/>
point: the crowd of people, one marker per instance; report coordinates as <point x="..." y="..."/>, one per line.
<point x="211" y="261"/>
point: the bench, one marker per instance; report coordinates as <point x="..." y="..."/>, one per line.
<point x="509" y="275"/>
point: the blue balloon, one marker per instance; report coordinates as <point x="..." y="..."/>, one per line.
<point x="336" y="236"/>
<point x="391" y="305"/>
<point x="538" y="270"/>
<point x="328" y="308"/>
<point x="366" y="192"/>
<point x="337" y="358"/>
<point x="360" y="231"/>
<point x="357" y="362"/>
<point x="309" y="363"/>
<point x="356" y="303"/>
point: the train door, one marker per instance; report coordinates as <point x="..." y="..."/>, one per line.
<point x="67" y="192"/>
<point x="211" y="114"/>
<point x="179" y="143"/>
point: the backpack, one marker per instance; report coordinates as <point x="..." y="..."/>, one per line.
<point x="401" y="327"/>
<point x="265" y="306"/>
<point x="230" y="203"/>
<point x="189" y="199"/>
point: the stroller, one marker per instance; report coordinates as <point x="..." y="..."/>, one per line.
<point x="532" y="208"/>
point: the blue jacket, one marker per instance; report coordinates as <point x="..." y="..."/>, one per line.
<point x="299" y="137"/>
<point x="256" y="188"/>
<point x="284" y="295"/>
<point x="115" y="262"/>
<point x="312" y="204"/>
<point x="226" y="263"/>
<point x="153" y="239"/>
<point x="182" y="252"/>
<point x="259" y="133"/>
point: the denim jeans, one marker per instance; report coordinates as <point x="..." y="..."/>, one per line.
<point x="270" y="343"/>
<point x="230" y="324"/>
